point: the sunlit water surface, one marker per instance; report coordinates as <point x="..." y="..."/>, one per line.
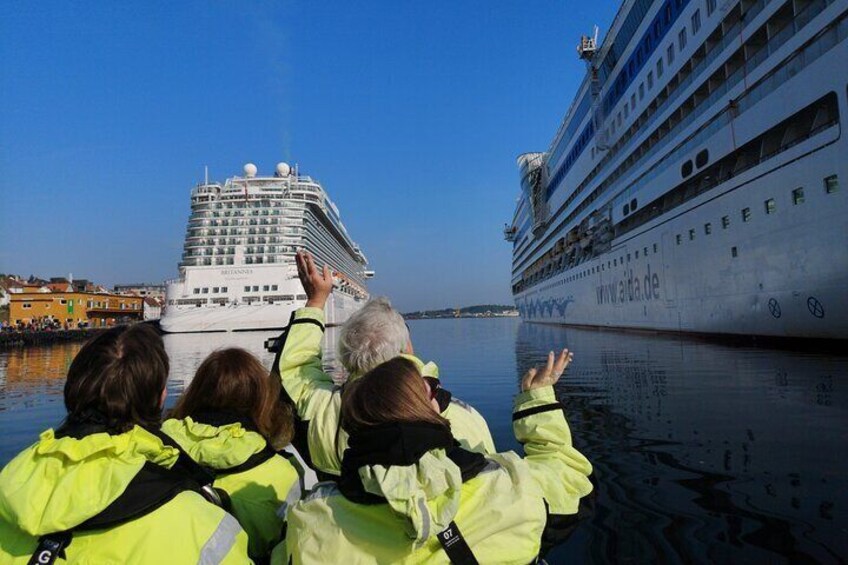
<point x="702" y="452"/>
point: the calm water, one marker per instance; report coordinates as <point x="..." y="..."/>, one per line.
<point x="702" y="452"/>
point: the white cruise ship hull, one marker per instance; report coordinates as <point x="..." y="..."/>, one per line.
<point x="764" y="252"/>
<point x="238" y="309"/>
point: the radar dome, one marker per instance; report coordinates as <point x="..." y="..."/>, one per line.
<point x="283" y="169"/>
<point x="250" y="170"/>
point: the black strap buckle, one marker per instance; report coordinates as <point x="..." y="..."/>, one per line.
<point x="50" y="547"/>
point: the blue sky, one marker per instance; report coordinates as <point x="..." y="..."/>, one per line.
<point x="410" y="114"/>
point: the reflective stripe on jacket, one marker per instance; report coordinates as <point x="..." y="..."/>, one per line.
<point x="260" y="496"/>
<point x="59" y="483"/>
<point x="502" y="511"/>
<point x="317" y="399"/>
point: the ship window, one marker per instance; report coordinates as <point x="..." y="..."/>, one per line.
<point x="746" y="214"/>
<point x="667" y="17"/>
<point x="655" y="248"/>
<point x="633" y="101"/>
<point x="266" y="288"/>
<point x="274" y="287"/>
<point x="798" y="196"/>
<point x="670" y="54"/>
<point x="725" y="222"/>
<point x="633" y="204"/>
<point x="628" y="257"/>
<point x="26" y="305"/>
<point x="247" y="289"/>
<point x="679" y="239"/>
<point x="708" y="229"/>
<point x="637" y="254"/>
<point x="615" y="262"/>
<point x="702" y="158"/>
<point x="196" y="291"/>
<point x="205" y="290"/>
<point x="686" y="169"/>
<point x="733" y="251"/>
<point x="645" y="252"/>
<point x="626" y="111"/>
<point x="659" y="67"/>
<point x="215" y="290"/>
<point x="301" y="297"/>
<point x="255" y="288"/>
<point x="711" y="6"/>
<point x="650" y="79"/>
<point x="691" y="235"/>
<point x="770" y="206"/>
<point x="681" y="38"/>
<point x="223" y="289"/>
<point x="641" y="90"/>
<point x="696" y="21"/>
<point x="626" y="209"/>
<point x="831" y="184"/>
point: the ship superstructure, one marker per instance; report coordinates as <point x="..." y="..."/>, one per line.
<point x="697" y="182"/>
<point x="238" y="271"/>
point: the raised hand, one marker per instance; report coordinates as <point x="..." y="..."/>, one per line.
<point x="317" y="284"/>
<point x="550" y="374"/>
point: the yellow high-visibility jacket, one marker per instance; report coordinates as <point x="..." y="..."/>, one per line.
<point x="261" y="484"/>
<point x="499" y="505"/>
<point x="59" y="483"/>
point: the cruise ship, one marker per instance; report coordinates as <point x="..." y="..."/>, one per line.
<point x="698" y="181"/>
<point x="238" y="271"/>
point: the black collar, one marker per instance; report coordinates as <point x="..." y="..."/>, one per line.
<point x="399" y="444"/>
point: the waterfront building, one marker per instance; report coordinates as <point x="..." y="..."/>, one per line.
<point x="697" y="182"/>
<point x="74" y="309"/>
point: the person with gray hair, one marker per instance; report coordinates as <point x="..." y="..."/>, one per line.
<point x="371" y="336"/>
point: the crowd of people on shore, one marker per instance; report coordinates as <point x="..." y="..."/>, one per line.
<point x="40" y="324"/>
<point x="408" y="473"/>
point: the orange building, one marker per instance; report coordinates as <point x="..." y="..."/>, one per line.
<point x="97" y="310"/>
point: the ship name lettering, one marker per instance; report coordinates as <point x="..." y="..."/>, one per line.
<point x="237" y="272"/>
<point x="631" y="288"/>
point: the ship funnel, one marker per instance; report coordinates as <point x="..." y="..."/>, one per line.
<point x="250" y="170"/>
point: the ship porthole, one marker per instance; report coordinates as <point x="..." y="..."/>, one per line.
<point x="774" y="307"/>
<point x="815" y="307"/>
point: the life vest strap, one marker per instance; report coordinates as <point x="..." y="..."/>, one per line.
<point x="456" y="547"/>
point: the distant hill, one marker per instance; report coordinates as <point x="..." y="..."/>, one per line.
<point x="479" y="311"/>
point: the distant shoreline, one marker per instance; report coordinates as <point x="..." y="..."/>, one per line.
<point x="480" y="311"/>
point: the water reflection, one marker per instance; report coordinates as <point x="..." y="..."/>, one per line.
<point x="704" y="452"/>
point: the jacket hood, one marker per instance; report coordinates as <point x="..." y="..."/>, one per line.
<point x="58" y="483"/>
<point x="215" y="446"/>
<point x="415" y="468"/>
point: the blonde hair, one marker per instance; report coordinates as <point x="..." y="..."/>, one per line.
<point x="391" y="392"/>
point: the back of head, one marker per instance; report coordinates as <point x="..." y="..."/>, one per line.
<point x="117" y="379"/>
<point x="392" y="392"/>
<point x="373" y="335"/>
<point x="233" y="381"/>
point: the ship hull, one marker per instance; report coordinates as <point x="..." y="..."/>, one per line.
<point x="228" y="306"/>
<point x="787" y="278"/>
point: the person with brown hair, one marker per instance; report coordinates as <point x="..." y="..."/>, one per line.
<point x="408" y="492"/>
<point x="231" y="422"/>
<point x="106" y="486"/>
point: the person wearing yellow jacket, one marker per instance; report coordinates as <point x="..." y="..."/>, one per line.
<point x="374" y="334"/>
<point x="106" y="486"/>
<point x="230" y="421"/>
<point x="408" y="493"/>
